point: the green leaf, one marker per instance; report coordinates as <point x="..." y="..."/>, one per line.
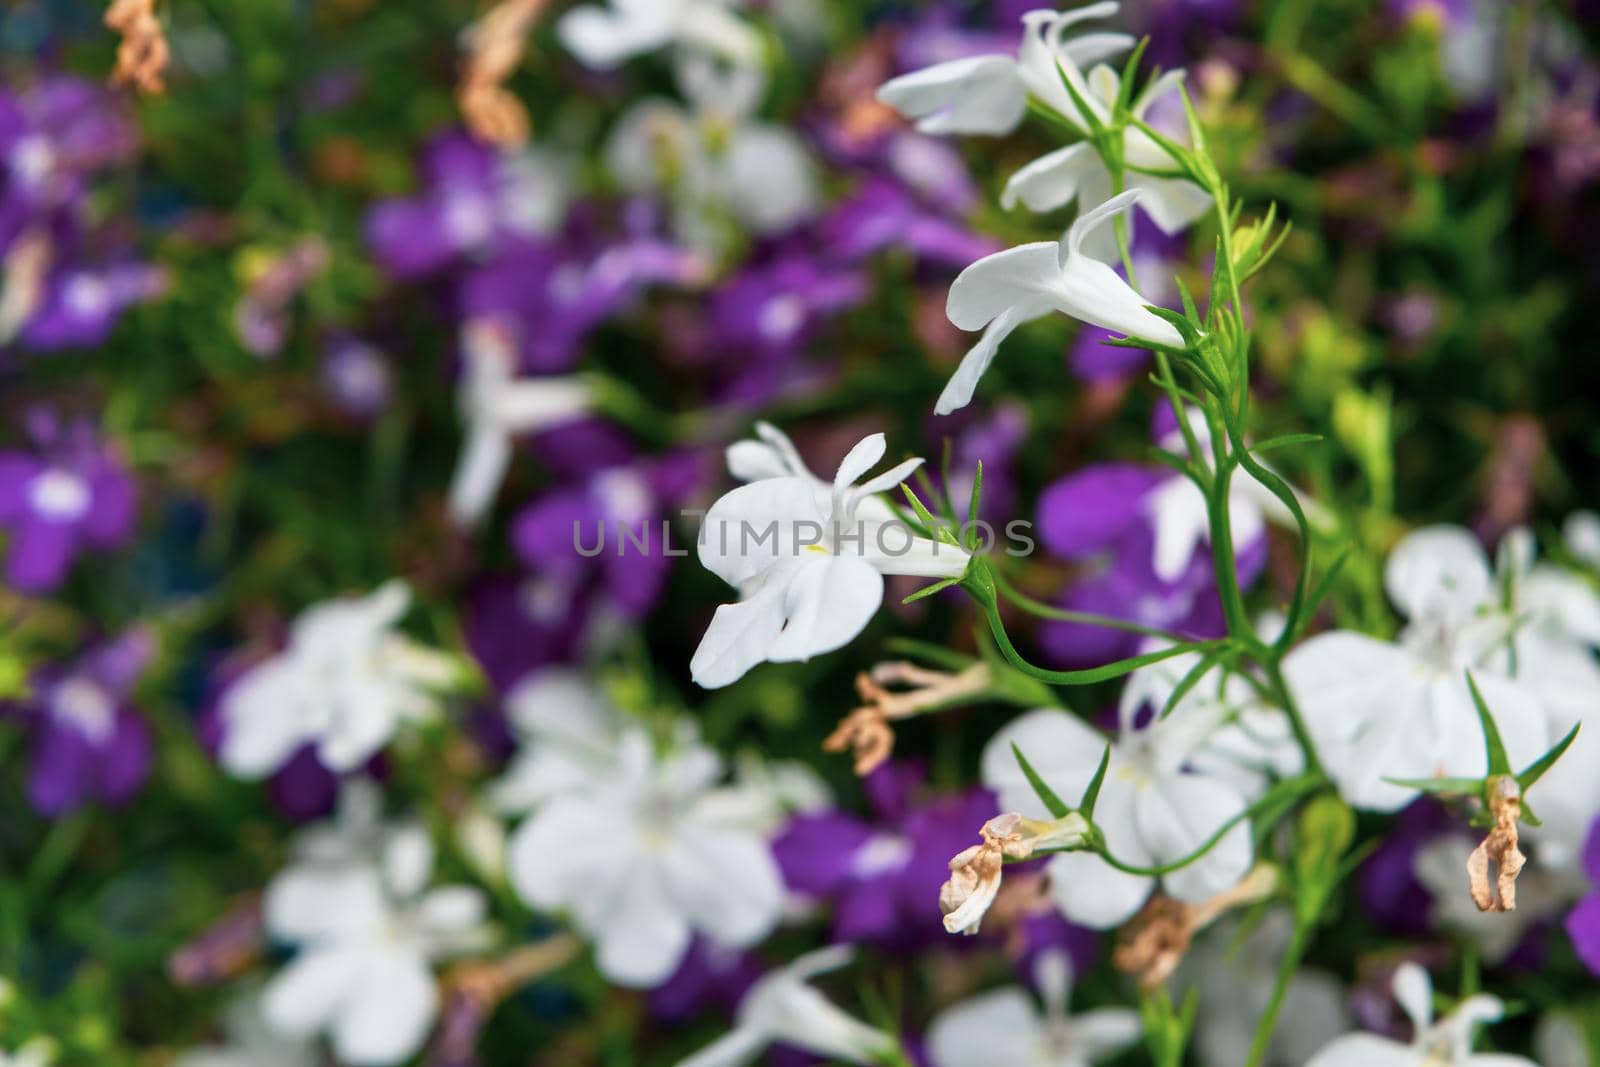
<point x="1493" y="746"/>
<point x="1463" y="787"/>
<point x="976" y="500"/>
<point x="1091" y="795"/>
<point x="928" y="590"/>
<point x="1536" y="769"/>
<point x="1287" y="439"/>
<point x="1047" y="796"/>
<point x="1129" y="69"/>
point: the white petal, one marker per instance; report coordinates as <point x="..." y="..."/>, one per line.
<point x="978" y="94"/>
<point x="643" y="939"/>
<point x="727" y="883"/>
<point x="1171" y="203"/>
<point x="451" y="910"/>
<point x="1060" y="747"/>
<point x="1178" y="815"/>
<point x="387" y="1017"/>
<point x="859" y="460"/>
<point x="1440" y="569"/>
<point x="479" y="472"/>
<point x="1052" y="180"/>
<point x="771" y="179"/>
<point x="733" y="1049"/>
<point x="407" y="860"/>
<point x="994" y="1028"/>
<point x="1016" y="277"/>
<point x="602" y="38"/>
<point x="1104" y="1031"/>
<point x="1092" y="893"/>
<point x="530" y="404"/>
<point x="310" y="990"/>
<point x="1365" y="1050"/>
<point x="958" y="391"/>
<point x="263" y="720"/>
<point x="827" y="603"/>
<point x="740" y="636"/>
<point x="546" y="870"/>
<point x="1413" y="991"/>
<point x="752" y="528"/>
<point x="310" y="902"/>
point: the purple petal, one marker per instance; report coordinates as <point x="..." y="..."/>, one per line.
<point x="1089" y="511"/>
<point x="124" y="760"/>
<point x="1583" y="927"/>
<point x="40" y="553"/>
<point x="63" y="769"/>
<point x="815" y="852"/>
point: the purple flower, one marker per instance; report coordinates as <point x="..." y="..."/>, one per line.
<point x="88" y="741"/>
<point x="778" y="306"/>
<point x="882" y="875"/>
<point x="474" y="197"/>
<point x="1107" y="517"/>
<point x="708" y="977"/>
<point x="603" y="529"/>
<point x="884" y="214"/>
<point x="558" y="290"/>
<point x="81" y="303"/>
<point x="71" y="492"/>
<point x="54" y="137"/>
<point x="357" y="376"/>
<point x="515" y="625"/>
<point x="1583" y="921"/>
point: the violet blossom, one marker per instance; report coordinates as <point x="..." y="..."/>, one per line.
<point x="89" y="743"/>
<point x="71" y="492"/>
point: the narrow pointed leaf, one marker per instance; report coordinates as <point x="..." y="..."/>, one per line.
<point x="1493" y="746"/>
<point x="928" y="590"/>
<point x="1440" y="786"/>
<point x="1091" y="795"/>
<point x="1047" y="796"/>
<point x="1536" y="769"/>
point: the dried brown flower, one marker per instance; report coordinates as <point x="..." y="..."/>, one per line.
<point x="1154" y="942"/>
<point x="1500" y="847"/>
<point x="142" y="56"/>
<point x="866" y="730"/>
<point x="495" y="46"/>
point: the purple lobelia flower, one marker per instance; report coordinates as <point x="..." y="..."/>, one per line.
<point x="1583" y="921"/>
<point x="516" y="624"/>
<point x="886" y="214"/>
<point x="81" y="302"/>
<point x="882" y="875"/>
<point x="54" y="137"/>
<point x="556" y="291"/>
<point x="473" y="198"/>
<point x="88" y="741"/>
<point x="357" y="376"/>
<point x="69" y="493"/>
<point x="1139" y="532"/>
<point x="602" y="529"/>
<point x="778" y="306"/>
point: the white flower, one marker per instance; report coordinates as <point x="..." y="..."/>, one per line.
<point x="345" y="683"/>
<point x="1445" y="1043"/>
<point x="989" y="94"/>
<point x="1002" y="291"/>
<point x="251" y="1043"/>
<point x="1581" y="532"/>
<point x="782" y="1008"/>
<point x="1004" y="1029"/>
<point x="1253" y="741"/>
<point x="1235" y="971"/>
<point x="368" y="929"/>
<point x="809" y="571"/>
<point x="639" y="845"/>
<point x="1154" y="808"/>
<point x="714" y="158"/>
<point x="1378" y="710"/>
<point x="603" y="35"/>
<point x="36" y="1053"/>
<point x="495" y="406"/>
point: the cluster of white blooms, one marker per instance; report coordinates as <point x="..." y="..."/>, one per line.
<point x="345" y="682"/>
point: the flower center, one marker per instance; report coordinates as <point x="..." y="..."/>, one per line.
<point x="467" y="219"/>
<point x="87" y="297"/>
<point x="882" y="853"/>
<point x="85" y="705"/>
<point x="60" y="495"/>
<point x="32" y="160"/>
<point x="781" y="318"/>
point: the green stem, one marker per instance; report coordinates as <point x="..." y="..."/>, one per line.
<point x="1083" y="677"/>
<point x="1280" y="988"/>
<point x="1049" y="611"/>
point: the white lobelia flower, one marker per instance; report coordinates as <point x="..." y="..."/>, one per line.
<point x="1004" y="1028"/>
<point x="1581" y="532"/>
<point x="1154" y="807"/>
<point x="252" y="1043"/>
<point x="356" y="902"/>
<point x="496" y="405"/>
<point x="782" y="1008"/>
<point x="1556" y="615"/>
<point x="1445" y="1043"/>
<point x="809" y="570"/>
<point x="1077" y="172"/>
<point x="346" y="681"/>
<point x="1253" y="742"/>
<point x="1378" y="709"/>
<point x="604" y="35"/>
<point x="989" y="94"/>
<point x="714" y="158"/>
<point x="661" y="851"/>
<point x="1002" y="291"/>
